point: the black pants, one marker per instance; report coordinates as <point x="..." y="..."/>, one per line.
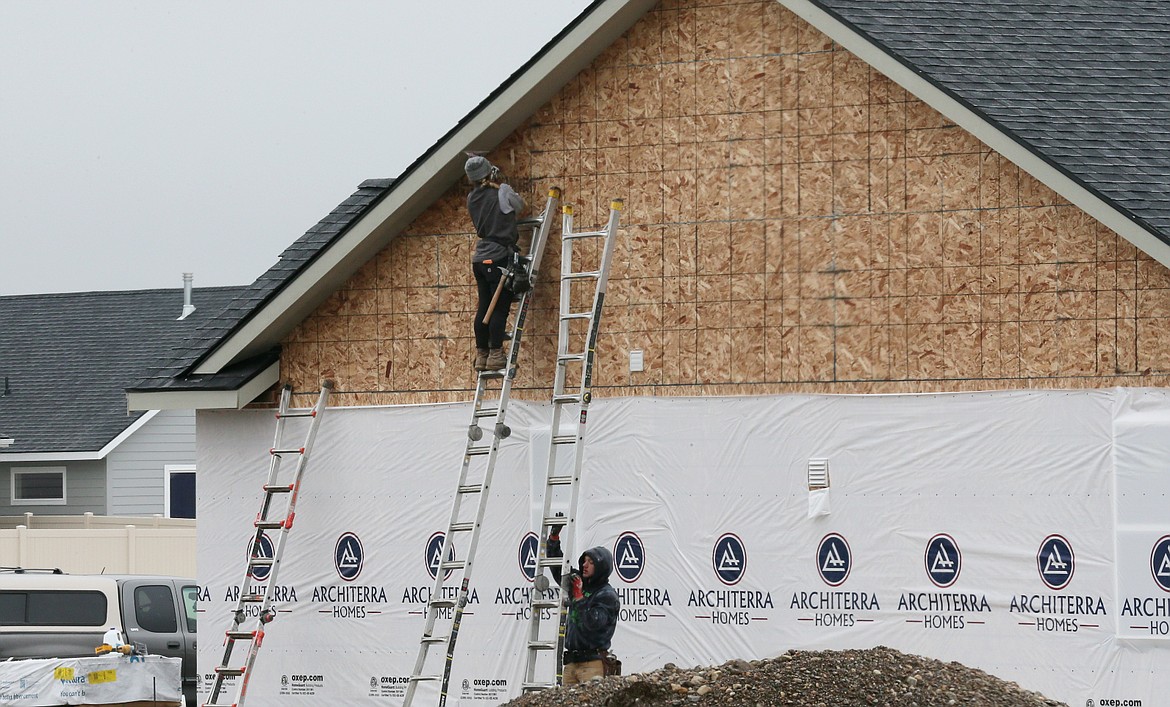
<point x="490" y="335"/>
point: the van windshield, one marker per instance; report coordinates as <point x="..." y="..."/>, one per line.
<point x="52" y="608"/>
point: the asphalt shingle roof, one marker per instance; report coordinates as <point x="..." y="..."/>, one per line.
<point x="168" y="372"/>
<point x="67" y="359"/>
<point x="1085" y="85"/>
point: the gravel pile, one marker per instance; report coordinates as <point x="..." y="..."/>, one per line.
<point x="874" y="677"/>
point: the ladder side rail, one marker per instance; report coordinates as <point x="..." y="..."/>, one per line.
<point x="568" y="531"/>
<point x="500" y="432"/>
<point x="535" y="613"/>
<point x="256" y="636"/>
<point x="275" y="459"/>
<point x="540" y="236"/>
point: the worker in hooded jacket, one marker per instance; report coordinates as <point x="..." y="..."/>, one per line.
<point x="593" y="612"/>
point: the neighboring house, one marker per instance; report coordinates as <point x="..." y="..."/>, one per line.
<point x="823" y="198"/>
<point x="65" y="360"/>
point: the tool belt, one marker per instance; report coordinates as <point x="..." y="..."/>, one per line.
<point x="582" y="656"/>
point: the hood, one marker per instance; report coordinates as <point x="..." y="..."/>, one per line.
<point x="602" y="565"/>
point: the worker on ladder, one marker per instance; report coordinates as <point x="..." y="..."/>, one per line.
<point x="593" y="608"/>
<point x="494" y="207"/>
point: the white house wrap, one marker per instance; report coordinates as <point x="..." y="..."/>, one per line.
<point x="1024" y="533"/>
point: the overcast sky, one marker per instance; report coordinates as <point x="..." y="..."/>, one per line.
<point x="141" y="139"/>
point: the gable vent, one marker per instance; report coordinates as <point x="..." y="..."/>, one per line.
<point x="818" y="474"/>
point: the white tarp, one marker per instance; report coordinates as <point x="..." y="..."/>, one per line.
<point x="1025" y="533"/>
<point x="101" y="680"/>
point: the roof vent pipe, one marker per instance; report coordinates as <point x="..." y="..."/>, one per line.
<point x="188" y="308"/>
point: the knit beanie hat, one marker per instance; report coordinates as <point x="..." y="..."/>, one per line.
<point x="477" y="168"/>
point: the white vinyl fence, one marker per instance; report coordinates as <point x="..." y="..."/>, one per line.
<point x="93" y="544"/>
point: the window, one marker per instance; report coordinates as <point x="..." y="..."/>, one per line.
<point x="154" y="609"/>
<point x="52" y="608"/>
<point x="179" y="486"/>
<point x="38" y="486"/>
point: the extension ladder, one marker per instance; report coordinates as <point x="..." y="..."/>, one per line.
<point x="468" y="486"/>
<point x="266" y="520"/>
<point x="580" y="328"/>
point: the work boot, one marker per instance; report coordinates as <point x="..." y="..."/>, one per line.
<point x="496" y="360"/>
<point x="481" y="357"/>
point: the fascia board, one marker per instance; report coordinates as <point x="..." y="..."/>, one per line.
<point x="49" y="457"/>
<point x="967" y="119"/>
<point x="422" y="186"/>
<point x="205" y="399"/>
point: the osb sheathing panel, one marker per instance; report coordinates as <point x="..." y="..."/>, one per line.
<point x="794" y="222"/>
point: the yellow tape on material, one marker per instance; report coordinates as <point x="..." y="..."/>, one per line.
<point x="63" y="673"/>
<point x="99" y="676"/>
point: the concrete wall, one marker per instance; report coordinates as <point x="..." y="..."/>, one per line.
<point x="795" y="222"/>
<point x="135" y="470"/>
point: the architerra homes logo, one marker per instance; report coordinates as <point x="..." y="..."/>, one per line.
<point x="1149" y="614"/>
<point x="638" y="603"/>
<point x="737" y="607"/>
<point x="348" y="556"/>
<point x="943" y="563"/>
<point x="834" y="608"/>
<point x="433" y="561"/>
<point x="629" y="556"/>
<point x="1056" y="611"/>
<point x="349" y="601"/>
<point x="527" y="555"/>
<point x="260" y="548"/>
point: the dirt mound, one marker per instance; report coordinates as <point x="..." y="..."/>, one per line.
<point x="871" y="678"/>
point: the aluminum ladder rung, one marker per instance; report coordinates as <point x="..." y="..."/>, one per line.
<point x="279" y="488"/>
<point x="269" y="524"/>
<point x="462" y="527"/>
<point x="241" y="635"/>
<point x="425" y="678"/>
<point x="310" y="412"/>
<point x="546" y="604"/>
<point x="251" y="598"/>
<point x="549" y="562"/>
<point x="230" y="672"/>
<point x="442" y="603"/>
<point x="452" y="564"/>
<point x="478" y="451"/>
<point x="562" y="358"/>
<point x="584" y="234"/>
<point x="564" y="439"/>
<point x="533" y="221"/>
<point x="594" y="274"/>
<point x="560" y="480"/>
<point x="542" y="645"/>
<point x="576" y="315"/>
<point x="567" y="398"/>
<point x="471" y="488"/>
<point x="486" y="412"/>
<point x="291" y="450"/>
<point x="261" y="562"/>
